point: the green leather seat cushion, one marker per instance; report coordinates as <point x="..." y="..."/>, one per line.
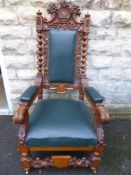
<point x="61" y="122"/>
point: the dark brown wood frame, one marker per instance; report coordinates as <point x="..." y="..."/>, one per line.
<point x="63" y="16"/>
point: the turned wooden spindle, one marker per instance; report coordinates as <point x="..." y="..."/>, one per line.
<point x="45" y="53"/>
<point x="39" y="29"/>
<point x="85" y="45"/>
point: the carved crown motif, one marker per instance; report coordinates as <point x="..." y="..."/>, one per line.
<point x="64" y="10"/>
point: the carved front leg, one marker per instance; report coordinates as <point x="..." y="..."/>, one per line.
<point x="25" y="157"/>
<point x="95" y="156"/>
<point x="95" y="161"/>
<point x="26" y="162"/>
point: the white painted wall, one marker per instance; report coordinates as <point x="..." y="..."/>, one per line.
<point x="8" y="110"/>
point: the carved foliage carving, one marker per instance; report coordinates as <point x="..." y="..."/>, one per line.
<point x="75" y="162"/>
<point x="22" y="134"/>
<point x="64" y="10"/>
<point x="100" y="134"/>
<point x="56" y="85"/>
<point x="39" y="163"/>
<point x="79" y="162"/>
<point x="52" y="8"/>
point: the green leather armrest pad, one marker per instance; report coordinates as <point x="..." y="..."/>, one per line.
<point x="28" y="93"/>
<point x="94" y="95"/>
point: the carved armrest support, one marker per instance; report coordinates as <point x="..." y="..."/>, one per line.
<point x="21" y="114"/>
<point x="102" y="114"/>
<point x="100" y="134"/>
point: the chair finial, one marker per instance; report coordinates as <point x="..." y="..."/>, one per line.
<point x="39" y="12"/>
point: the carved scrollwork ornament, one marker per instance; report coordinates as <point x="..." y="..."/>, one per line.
<point x="76" y="10"/>
<point x="64" y="4"/>
<point x="39" y="163"/>
<point x="64" y="14"/>
<point x="47" y="162"/>
<point x="45" y="27"/>
<point x="79" y="162"/>
<point x="52" y="8"/>
<point x="100" y="134"/>
<point x="22" y="134"/>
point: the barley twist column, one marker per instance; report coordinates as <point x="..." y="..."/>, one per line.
<point x="39" y="29"/>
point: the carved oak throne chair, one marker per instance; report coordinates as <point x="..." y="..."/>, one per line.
<point x="61" y="124"/>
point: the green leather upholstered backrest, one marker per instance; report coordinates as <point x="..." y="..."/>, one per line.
<point x="62" y="48"/>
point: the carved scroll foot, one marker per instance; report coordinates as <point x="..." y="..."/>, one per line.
<point x="95" y="161"/>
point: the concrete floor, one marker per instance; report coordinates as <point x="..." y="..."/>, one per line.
<point x="3" y="101"/>
<point x="116" y="159"/>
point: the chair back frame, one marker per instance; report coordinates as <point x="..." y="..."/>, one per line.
<point x="63" y="17"/>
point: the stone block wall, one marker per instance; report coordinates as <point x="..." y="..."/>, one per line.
<point x="109" y="52"/>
